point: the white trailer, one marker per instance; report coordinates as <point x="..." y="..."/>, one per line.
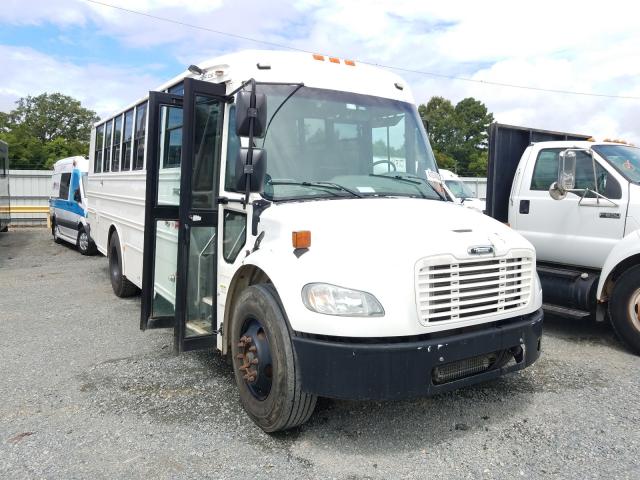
<point x="334" y="269"/>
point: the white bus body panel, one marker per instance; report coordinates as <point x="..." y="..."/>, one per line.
<point x="117" y="201"/>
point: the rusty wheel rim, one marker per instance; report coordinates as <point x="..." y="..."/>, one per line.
<point x="634" y="309"/>
<point x="253" y="359"/>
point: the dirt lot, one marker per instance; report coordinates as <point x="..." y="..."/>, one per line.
<point x="86" y="394"/>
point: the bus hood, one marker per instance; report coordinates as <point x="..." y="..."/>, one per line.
<point x="388" y="228"/>
<point x="373" y="245"/>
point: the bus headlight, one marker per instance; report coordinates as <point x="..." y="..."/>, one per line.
<point x="333" y="300"/>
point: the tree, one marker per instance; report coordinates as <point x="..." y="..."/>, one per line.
<point x="458" y="134"/>
<point x="45" y="128"/>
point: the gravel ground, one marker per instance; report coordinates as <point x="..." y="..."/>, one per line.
<point x="86" y="394"/>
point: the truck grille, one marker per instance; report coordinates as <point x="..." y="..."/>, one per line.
<point x="469" y="289"/>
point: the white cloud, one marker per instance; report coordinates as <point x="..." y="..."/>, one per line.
<point x="579" y="46"/>
<point x="101" y="88"/>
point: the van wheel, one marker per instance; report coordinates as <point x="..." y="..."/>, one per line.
<point x="265" y="364"/>
<point x="55" y="232"/>
<point x="84" y="243"/>
<point x="624" y="308"/>
<point x="121" y="286"/>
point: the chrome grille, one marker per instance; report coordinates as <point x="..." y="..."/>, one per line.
<point x="454" y="290"/>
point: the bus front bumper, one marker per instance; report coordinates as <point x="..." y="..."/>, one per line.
<point x="396" y="369"/>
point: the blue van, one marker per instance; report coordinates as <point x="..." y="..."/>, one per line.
<point x="68" y="204"/>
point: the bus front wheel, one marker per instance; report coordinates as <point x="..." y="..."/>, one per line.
<point x="264" y="362"/>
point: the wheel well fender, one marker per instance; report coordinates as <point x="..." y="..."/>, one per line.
<point x="624" y="255"/>
<point x="112" y="229"/>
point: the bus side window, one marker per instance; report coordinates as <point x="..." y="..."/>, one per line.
<point x="138" y="147"/>
<point x="126" y="140"/>
<point x="234" y="234"/>
<point x="97" y="159"/>
<point x="107" y="146"/>
<point x="233" y="147"/>
<point x="117" y="137"/>
<point x="64" y="186"/>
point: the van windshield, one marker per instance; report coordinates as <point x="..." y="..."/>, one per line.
<point x="328" y="144"/>
<point x="624" y="158"/>
<point x="459" y="189"/>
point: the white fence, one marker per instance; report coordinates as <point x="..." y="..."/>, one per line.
<point x="29" y="190"/>
<point x="477" y="185"/>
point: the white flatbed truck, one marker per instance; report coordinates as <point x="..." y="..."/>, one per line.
<point x="578" y="202"/>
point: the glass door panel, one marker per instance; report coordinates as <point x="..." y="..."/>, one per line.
<point x="165" y="268"/>
<point x="170" y="148"/>
<point x="200" y="291"/>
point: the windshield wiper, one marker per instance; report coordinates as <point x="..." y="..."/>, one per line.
<point x="402" y="179"/>
<point x="335" y="186"/>
<point x="420" y="180"/>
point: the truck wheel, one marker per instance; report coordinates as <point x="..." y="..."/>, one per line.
<point x="84" y="243"/>
<point x="121" y="286"/>
<point x="265" y="364"/>
<point x="624" y="308"/>
<point x="55" y="232"/>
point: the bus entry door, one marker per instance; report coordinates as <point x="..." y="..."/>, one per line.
<point x="181" y="214"/>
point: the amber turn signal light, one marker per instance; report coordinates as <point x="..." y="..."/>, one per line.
<point x="301" y="239"/>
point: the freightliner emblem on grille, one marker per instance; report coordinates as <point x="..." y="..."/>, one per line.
<point x="480" y="250"/>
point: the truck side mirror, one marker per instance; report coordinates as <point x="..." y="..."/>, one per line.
<point x="567" y="170"/>
<point x="257" y="169"/>
<point x="566" y="175"/>
<point x="244" y="113"/>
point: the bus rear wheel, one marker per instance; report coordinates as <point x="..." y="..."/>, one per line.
<point x="121" y="286"/>
<point x="624" y="308"/>
<point x="265" y="364"/>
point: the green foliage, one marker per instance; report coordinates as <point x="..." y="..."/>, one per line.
<point x="445" y="161"/>
<point x="43" y="129"/>
<point x="458" y="134"/>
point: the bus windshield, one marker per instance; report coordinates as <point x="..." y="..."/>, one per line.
<point x="326" y="144"/>
<point x="624" y="158"/>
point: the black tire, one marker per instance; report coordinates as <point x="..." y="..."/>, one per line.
<point x="54" y="232"/>
<point x="284" y="405"/>
<point x="84" y="244"/>
<point x="121" y="286"/>
<point x="624" y="308"/>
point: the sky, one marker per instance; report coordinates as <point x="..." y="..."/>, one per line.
<point x="107" y="58"/>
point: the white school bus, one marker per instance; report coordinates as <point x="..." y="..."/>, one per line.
<point x="278" y="207"/>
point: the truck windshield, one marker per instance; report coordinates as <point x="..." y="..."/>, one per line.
<point x="459" y="189"/>
<point x="624" y="158"/>
<point x="330" y="144"/>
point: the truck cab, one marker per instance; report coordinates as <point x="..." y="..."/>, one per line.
<point x="586" y="233"/>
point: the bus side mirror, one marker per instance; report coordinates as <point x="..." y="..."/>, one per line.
<point x="244" y="112"/>
<point x="257" y="170"/>
<point x="566" y="175"/>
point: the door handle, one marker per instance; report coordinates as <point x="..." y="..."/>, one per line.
<point x="195" y="218"/>
<point x="524" y="206"/>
